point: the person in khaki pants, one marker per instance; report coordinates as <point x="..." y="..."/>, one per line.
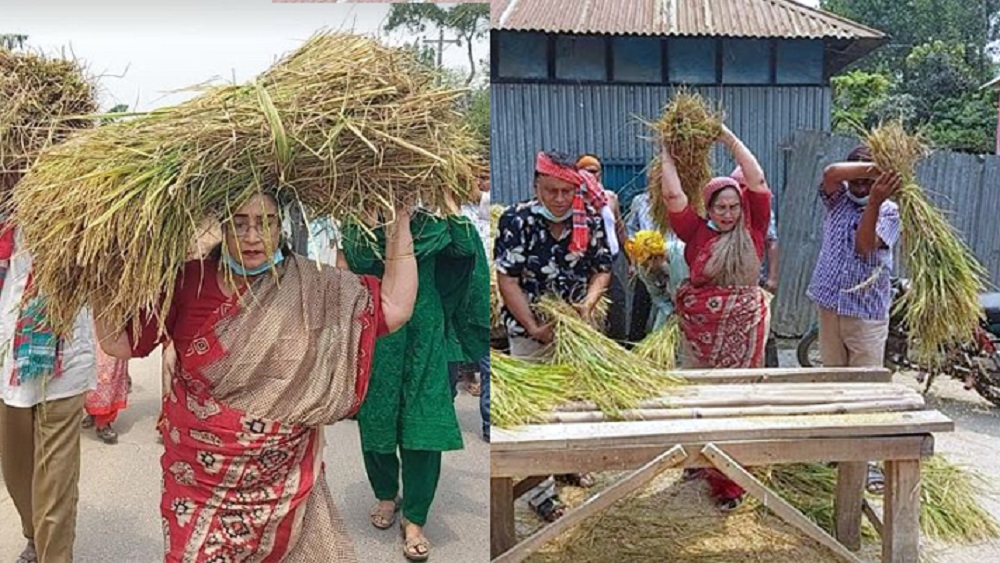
<point x="41" y="407"/>
<point x="850" y="284"/>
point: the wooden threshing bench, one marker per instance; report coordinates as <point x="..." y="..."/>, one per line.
<point x="730" y="419"/>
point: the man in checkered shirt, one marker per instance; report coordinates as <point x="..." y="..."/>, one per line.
<point x="850" y="284"/>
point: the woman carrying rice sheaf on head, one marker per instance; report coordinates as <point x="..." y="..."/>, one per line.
<point x="409" y="417"/>
<point x="723" y="312"/>
<point x="270" y="349"/>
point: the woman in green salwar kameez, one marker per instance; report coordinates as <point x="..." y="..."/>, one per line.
<point x="409" y="405"/>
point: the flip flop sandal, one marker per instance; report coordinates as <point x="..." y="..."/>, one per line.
<point x="381" y="518"/>
<point x="412" y="547"/>
<point x="731" y="504"/>
<point x="87" y="422"/>
<point x="28" y="555"/>
<point x="107" y="435"/>
<point x="876" y="480"/>
<point x="549" y="510"/>
<point x="582" y="480"/>
<point x="475" y="389"/>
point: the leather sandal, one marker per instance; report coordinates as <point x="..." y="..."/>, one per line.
<point x="414" y="549"/>
<point x="28" y="555"/>
<point x="382" y="518"/>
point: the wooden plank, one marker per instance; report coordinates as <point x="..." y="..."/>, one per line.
<point x="782" y="509"/>
<point x="757" y="394"/>
<point x="502" y="535"/>
<point x="594" y="505"/>
<point x="788" y="375"/>
<point x="557" y="437"/>
<point x="869" y="511"/>
<point x="901" y="535"/>
<point x="747" y="453"/>
<point x="527" y="484"/>
<point x="851" y="478"/>
<point x="895" y="405"/>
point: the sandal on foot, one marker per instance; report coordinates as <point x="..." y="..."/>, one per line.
<point x="87" y="422"/>
<point x="381" y="517"/>
<point x="731" y="504"/>
<point x="876" y="480"/>
<point x="549" y="510"/>
<point x="582" y="480"/>
<point x="414" y="549"/>
<point x="475" y="389"/>
<point x="107" y="435"/>
<point x="28" y="555"/>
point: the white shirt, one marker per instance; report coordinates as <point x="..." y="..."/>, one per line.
<point x="79" y="359"/>
<point x="324" y="238"/>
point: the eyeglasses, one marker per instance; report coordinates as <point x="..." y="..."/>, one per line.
<point x="726" y="210"/>
<point x="268" y="226"/>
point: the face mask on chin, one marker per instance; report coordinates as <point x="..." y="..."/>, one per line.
<point x="540" y="209"/>
<point x="861" y="201"/>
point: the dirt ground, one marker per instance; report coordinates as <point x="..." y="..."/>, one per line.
<point x="673" y="520"/>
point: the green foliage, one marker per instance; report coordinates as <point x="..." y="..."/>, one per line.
<point x="479" y="115"/>
<point x="468" y="21"/>
<point x="928" y="75"/>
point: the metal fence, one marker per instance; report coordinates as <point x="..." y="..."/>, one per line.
<point x="965" y="187"/>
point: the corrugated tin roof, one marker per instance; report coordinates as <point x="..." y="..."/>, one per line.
<point x="732" y="18"/>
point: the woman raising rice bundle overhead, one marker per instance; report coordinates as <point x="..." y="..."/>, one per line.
<point x="722" y="311"/>
<point x="271" y="348"/>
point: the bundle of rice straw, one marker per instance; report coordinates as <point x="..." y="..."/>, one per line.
<point x="42" y="101"/>
<point x="344" y="126"/>
<point x="950" y="511"/>
<point x="497" y="329"/>
<point x="603" y="372"/>
<point x="942" y="305"/>
<point x="688" y="128"/>
<point x="660" y="346"/>
<point x="524" y="391"/>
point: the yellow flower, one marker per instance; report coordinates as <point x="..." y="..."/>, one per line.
<point x="645" y="245"/>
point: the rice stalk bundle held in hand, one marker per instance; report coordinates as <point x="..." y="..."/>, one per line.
<point x="344" y="127"/>
<point x="688" y="129"/>
<point x="660" y="346"/>
<point x="524" y="391"/>
<point x="604" y="373"/>
<point x="942" y="306"/>
<point x="42" y="101"/>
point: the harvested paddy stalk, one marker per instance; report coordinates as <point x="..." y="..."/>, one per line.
<point x="523" y="391"/>
<point x="344" y="127"/>
<point x="42" y="101"/>
<point x="688" y="129"/>
<point x="949" y="512"/>
<point x="942" y="305"/>
<point x="603" y="372"/>
<point x="660" y="346"/>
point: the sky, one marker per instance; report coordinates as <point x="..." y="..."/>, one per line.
<point x="143" y="53"/>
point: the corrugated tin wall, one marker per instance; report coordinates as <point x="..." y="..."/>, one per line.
<point x="966" y="187"/>
<point x="605" y="120"/>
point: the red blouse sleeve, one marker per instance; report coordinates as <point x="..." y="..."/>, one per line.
<point x="373" y="327"/>
<point x="760" y="212"/>
<point x="685" y="224"/>
<point x="6" y="241"/>
<point x="149" y="328"/>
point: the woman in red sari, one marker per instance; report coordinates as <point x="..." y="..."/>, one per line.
<point x="271" y="348"/>
<point x="722" y="311"/>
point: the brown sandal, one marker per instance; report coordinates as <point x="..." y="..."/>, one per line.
<point x="475" y="389"/>
<point x="411" y="546"/>
<point x="381" y="518"/>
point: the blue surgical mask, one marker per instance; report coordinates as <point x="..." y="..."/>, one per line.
<point x="544" y="212"/>
<point x="862" y="201"/>
<point x="713" y="226"/>
<point x="239" y="270"/>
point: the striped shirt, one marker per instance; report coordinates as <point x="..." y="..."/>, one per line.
<point x="840" y="269"/>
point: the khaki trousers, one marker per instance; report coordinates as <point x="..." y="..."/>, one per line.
<point x="851" y="342"/>
<point x="41" y="468"/>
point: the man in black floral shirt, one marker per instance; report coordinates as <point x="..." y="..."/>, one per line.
<point x="553" y="244"/>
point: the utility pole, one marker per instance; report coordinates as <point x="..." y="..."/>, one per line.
<point x="440" y="45"/>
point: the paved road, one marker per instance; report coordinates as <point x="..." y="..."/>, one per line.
<point x="120" y="487"/>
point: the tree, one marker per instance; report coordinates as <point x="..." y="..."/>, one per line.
<point x="468" y="21"/>
<point x="479" y="115"/>
<point x="11" y="41"/>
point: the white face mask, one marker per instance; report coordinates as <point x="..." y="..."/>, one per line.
<point x="862" y="201"/>
<point x="540" y="209"/>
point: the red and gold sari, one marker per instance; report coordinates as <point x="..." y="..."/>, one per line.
<point x="242" y="428"/>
